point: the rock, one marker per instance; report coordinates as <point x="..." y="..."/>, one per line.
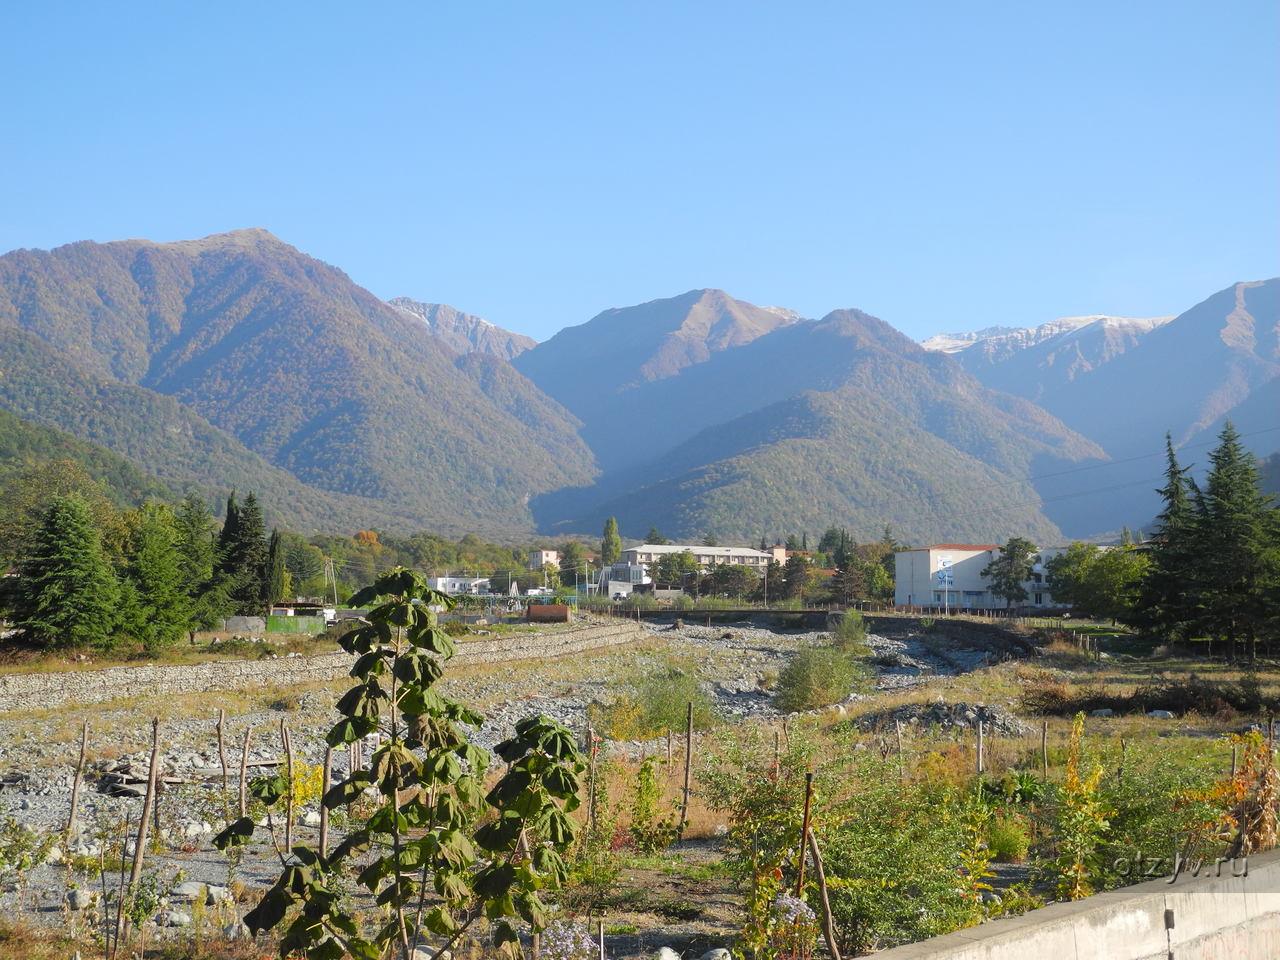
<point x="666" y="953"/>
<point x="236" y="931"/>
<point x="173" y="918"/>
<point x="1103" y="712"/>
<point x="721" y="830"/>
<point x="190" y="890"/>
<point x="1160" y="715"/>
<point x="311" y="819"/>
<point x="80" y="899"/>
<point x="54" y="856"/>
<point x="218" y="895"/>
<point x="990" y="896"/>
<point x="717" y="953"/>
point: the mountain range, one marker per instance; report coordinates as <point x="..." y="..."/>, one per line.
<point x="236" y="360"/>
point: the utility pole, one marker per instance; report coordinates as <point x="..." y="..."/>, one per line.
<point x="330" y="578"/>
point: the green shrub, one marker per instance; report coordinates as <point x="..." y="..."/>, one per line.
<point x="850" y="635"/>
<point x="1009" y="839"/>
<point x="658" y="703"/>
<point x="818" y="677"/>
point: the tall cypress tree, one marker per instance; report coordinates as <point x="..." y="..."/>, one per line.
<point x="228" y="537"/>
<point x="68" y="592"/>
<point x="276" y="574"/>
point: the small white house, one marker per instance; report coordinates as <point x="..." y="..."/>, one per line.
<point x="470" y="585"/>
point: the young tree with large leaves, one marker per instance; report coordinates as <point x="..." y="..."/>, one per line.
<point x="1010" y="570"/>
<point x="68" y="594"/>
<point x="438" y="853"/>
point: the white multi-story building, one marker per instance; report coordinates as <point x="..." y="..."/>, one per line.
<point x="543" y="558"/>
<point x="706" y="557"/>
<point x="950" y="575"/>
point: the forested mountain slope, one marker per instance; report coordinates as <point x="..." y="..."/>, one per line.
<point x="302" y="366"/>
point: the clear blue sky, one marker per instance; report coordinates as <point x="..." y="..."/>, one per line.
<point x="945" y="166"/>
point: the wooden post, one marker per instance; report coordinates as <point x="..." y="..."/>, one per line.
<point x="601" y="929"/>
<point x="75" y="784"/>
<point x="591" y="774"/>
<point x="244" y="770"/>
<point x="1044" y="747"/>
<point x="323" y="842"/>
<point x="1233" y="761"/>
<point x="288" y="797"/>
<point x="828" y="929"/>
<point x="777" y="751"/>
<point x="1124" y="752"/>
<point x="688" y="767"/>
<point x="897" y="733"/>
<point x="804" y="832"/>
<point x="148" y="803"/>
<point x="980" y="726"/>
<point x="222" y="749"/>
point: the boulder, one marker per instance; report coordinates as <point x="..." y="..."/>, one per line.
<point x="1160" y="714"/>
<point x="173" y="918"/>
<point x="666" y="953"/>
<point x="80" y="899"/>
<point x="1103" y="712"/>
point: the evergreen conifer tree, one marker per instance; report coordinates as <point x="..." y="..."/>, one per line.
<point x="1235" y="541"/>
<point x="276" y="573"/>
<point x="156" y="607"/>
<point x="242" y="560"/>
<point x="1167" y="602"/>
<point x="1011" y="569"/>
<point x="68" y="592"/>
<point x="196" y="542"/>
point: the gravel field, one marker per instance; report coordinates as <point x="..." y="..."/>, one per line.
<point x="39" y="748"/>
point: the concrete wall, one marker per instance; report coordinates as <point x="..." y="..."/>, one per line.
<point x="40" y="690"/>
<point x="1213" y="918"/>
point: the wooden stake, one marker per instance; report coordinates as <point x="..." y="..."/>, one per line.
<point x="591" y="774"/>
<point x="244" y="770"/>
<point x="288" y="797"/>
<point x="1233" y="761"/>
<point x="222" y="749"/>
<point x="324" y="810"/>
<point x="148" y="803"/>
<point x="1044" y="747"/>
<point x="804" y="833"/>
<point x="777" y="751"/>
<point x="75" y="784"/>
<point x="828" y="929"/>
<point x="1124" y="752"/>
<point x="601" y="928"/>
<point x="688" y="767"/>
<point x="980" y="726"/>
<point x="897" y="732"/>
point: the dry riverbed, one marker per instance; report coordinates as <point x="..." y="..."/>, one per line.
<point x="679" y="900"/>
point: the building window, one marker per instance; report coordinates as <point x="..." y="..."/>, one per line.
<point x="1039" y="598"/>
